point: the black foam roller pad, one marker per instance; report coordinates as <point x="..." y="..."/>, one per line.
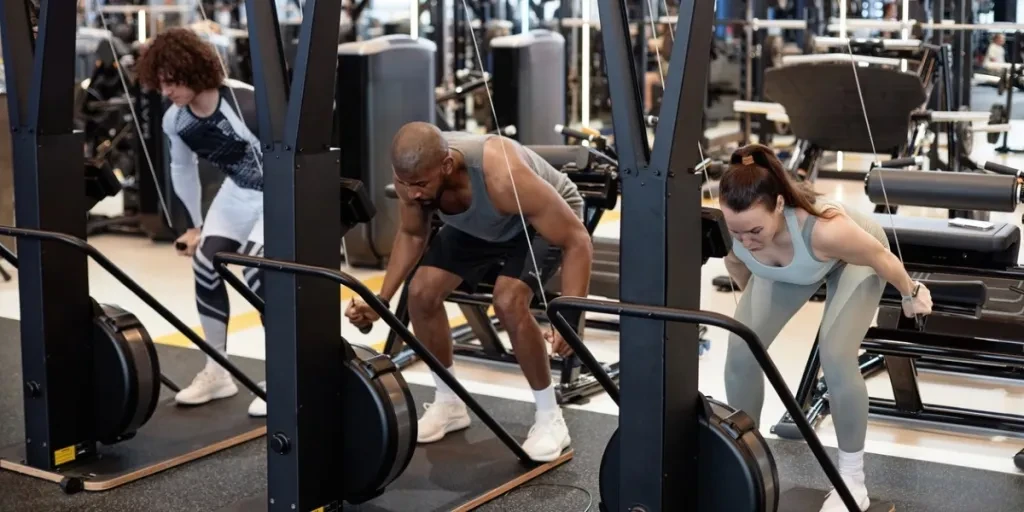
<point x="934" y="189"/>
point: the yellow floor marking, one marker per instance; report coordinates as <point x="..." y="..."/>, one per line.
<point x="455" y="322"/>
<point x="250" y="319"/>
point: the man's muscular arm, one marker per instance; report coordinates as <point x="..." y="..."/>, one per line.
<point x="543" y="208"/>
<point x="410" y="241"/>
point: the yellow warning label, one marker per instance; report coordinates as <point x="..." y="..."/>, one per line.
<point x="318" y="509"/>
<point x="64" y="455"/>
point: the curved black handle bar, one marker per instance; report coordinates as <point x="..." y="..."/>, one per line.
<point x="8" y="255"/>
<point x="462" y="90"/>
<point x="139" y="292"/>
<point x="561" y="304"/>
<point x="11" y="258"/>
<point x="222" y="258"/>
<point x="250" y="296"/>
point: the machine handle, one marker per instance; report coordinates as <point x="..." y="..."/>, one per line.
<point x="1000" y="169"/>
<point x="571" y="132"/>
<point x="139" y="292"/>
<point x="389" y="318"/>
<point x="898" y="163"/>
<point x="557" y="306"/>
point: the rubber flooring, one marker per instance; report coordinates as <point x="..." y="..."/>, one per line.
<point x="212" y="482"/>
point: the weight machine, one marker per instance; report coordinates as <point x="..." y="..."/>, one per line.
<point x="661" y="458"/>
<point x="341" y="420"/>
<point x="91" y="374"/>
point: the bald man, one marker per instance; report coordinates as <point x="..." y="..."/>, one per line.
<point x="497" y="200"/>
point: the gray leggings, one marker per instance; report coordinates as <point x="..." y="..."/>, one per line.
<point x="766" y="307"/>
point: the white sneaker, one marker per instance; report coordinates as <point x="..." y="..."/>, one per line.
<point x="548" y="437"/>
<point x="834" y="503"/>
<point x="440" y="418"/>
<point x="258" y="408"/>
<point x="210" y="384"/>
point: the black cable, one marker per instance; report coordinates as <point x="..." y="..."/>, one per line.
<point x="590" y="496"/>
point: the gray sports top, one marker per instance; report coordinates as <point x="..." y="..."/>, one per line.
<point x="481" y="219"/>
<point x="806" y="268"/>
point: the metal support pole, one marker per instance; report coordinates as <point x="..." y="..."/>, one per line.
<point x="56" y="312"/>
<point x="302" y="313"/>
<point x="661" y="195"/>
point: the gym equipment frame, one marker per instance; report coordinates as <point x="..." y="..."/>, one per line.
<point x="66" y="405"/>
<point x="310" y="408"/>
<point x="965" y="341"/>
<point x="660" y="417"/>
<point x="655" y="455"/>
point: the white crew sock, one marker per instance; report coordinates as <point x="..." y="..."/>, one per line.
<point x="444" y="393"/>
<point x="851" y="466"/>
<point x="545" y="399"/>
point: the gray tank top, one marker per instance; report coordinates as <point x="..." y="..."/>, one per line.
<point x="482" y="220"/>
<point x="806" y="268"/>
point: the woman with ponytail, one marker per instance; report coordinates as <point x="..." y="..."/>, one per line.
<point x="786" y="244"/>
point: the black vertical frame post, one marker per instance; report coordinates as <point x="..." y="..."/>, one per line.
<point x="302" y="207"/>
<point x="659" y="261"/>
<point x="1013" y="75"/>
<point x="438" y="19"/>
<point x="154" y="218"/>
<point x="53" y="278"/>
<point x="938" y="13"/>
<point x="636" y="10"/>
<point x="963" y="53"/>
<point x="460" y="29"/>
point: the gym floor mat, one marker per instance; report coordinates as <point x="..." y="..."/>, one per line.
<point x="238" y="473"/>
<point x="173" y="436"/>
<point x="461" y="472"/>
<point x="800" y="498"/>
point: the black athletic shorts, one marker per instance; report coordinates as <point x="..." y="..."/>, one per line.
<point x="479" y="261"/>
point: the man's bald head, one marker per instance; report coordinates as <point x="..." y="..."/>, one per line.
<point x="417" y="149"/>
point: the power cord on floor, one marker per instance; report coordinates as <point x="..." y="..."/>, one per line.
<point x="564" y="486"/>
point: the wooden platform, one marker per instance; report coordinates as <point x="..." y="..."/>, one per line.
<point x="174" y="436"/>
<point x="800" y="499"/>
<point x="468" y="475"/>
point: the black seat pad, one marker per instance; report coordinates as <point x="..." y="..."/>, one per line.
<point x="938" y="234"/>
<point x="824" y="108"/>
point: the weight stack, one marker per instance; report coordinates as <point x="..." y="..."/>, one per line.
<point x="383" y="83"/>
<point x="529" y="85"/>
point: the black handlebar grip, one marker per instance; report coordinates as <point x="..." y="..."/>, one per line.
<point x="181" y="246"/>
<point x="897" y="163"/>
<point x="366" y="329"/>
<point x="1001" y="169"/>
<point x="565" y="130"/>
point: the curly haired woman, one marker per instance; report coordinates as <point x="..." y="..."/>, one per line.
<point x="202" y="122"/>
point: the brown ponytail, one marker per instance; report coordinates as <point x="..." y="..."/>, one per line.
<point x="755" y="175"/>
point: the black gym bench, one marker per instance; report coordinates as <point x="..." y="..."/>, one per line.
<point x="980" y="335"/>
<point x="598" y="183"/>
<point x="818" y="96"/>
